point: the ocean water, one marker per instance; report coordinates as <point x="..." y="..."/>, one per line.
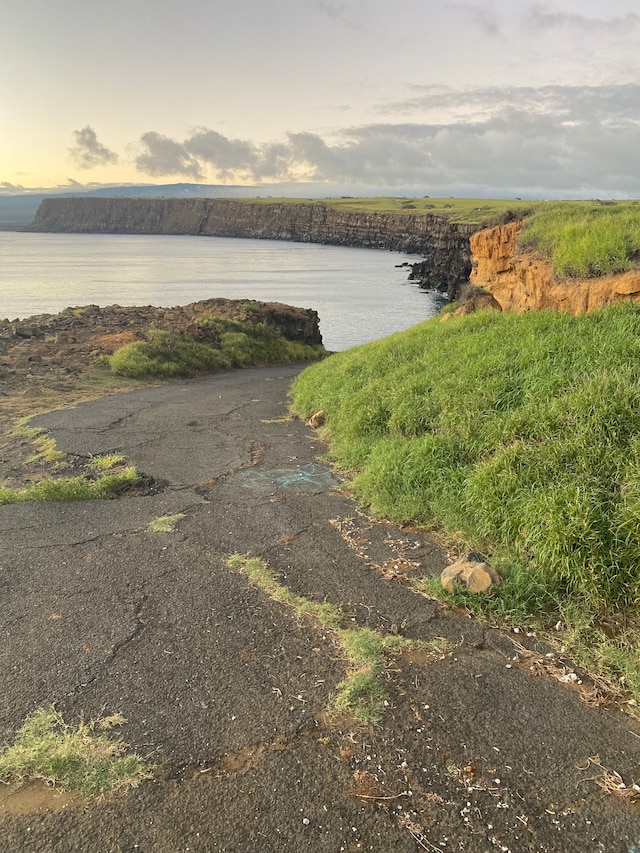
<point x="359" y="294"/>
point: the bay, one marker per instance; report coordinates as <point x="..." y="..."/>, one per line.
<point x="360" y="294"/>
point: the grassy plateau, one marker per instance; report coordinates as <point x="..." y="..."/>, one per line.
<point x="518" y="435"/>
<point x="480" y="210"/>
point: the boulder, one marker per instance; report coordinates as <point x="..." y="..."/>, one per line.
<point x="471" y="572"/>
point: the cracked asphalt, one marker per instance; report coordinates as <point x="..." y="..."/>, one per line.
<point x="225" y="691"/>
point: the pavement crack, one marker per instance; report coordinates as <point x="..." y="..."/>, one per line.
<point x="140" y="625"/>
<point x="138" y="628"/>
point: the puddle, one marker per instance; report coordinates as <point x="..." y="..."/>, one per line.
<point x="37" y="797"/>
<point x="310" y="478"/>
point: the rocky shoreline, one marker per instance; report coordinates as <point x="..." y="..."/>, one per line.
<point x="56" y="347"/>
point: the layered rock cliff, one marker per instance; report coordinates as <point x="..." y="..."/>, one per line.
<point x="443" y="243"/>
<point x="521" y="281"/>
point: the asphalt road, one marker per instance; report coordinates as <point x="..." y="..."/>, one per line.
<point x="225" y="690"/>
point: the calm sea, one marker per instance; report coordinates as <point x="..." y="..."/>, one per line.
<point x="359" y="294"/>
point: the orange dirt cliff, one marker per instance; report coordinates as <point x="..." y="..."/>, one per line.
<point x="521" y="281"/>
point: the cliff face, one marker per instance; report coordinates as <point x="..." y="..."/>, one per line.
<point x="445" y="244"/>
<point x="520" y="281"/>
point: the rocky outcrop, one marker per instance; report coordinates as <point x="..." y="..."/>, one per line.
<point x="444" y="244"/>
<point x="521" y="281"/>
<point x="52" y="347"/>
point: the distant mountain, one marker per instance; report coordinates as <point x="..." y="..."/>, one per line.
<point x="19" y="210"/>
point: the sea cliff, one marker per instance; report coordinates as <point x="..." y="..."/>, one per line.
<point x="443" y="243"/>
<point x="515" y="280"/>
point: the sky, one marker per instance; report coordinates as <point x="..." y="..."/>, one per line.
<point x="503" y="98"/>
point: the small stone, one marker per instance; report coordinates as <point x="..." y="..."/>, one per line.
<point x="471" y="572"/>
<point x="317" y="420"/>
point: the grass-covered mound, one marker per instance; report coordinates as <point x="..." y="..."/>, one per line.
<point x="228" y="343"/>
<point x="583" y="239"/>
<point x="518" y="435"/>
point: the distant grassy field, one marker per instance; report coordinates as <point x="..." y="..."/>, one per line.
<point x="470" y="210"/>
<point x="518" y="435"/>
<point x="583" y="239"/>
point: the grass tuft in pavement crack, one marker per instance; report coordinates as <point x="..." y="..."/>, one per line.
<point x="361" y="694"/>
<point x="165" y="523"/>
<point x="85" y="759"/>
<point x="72" y="488"/>
<point x="108" y="474"/>
<point x="45" y="447"/>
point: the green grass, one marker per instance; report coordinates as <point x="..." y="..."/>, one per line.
<point x="45" y="446"/>
<point x="584" y="239"/>
<point x="360" y="694"/>
<point x="472" y="210"/>
<point x="518" y="435"/>
<point x="107" y="461"/>
<point x="72" y="488"/>
<point x="165" y="354"/>
<point x="165" y="523"/>
<point x="84" y="759"/>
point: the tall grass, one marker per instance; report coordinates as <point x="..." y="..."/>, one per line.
<point x="517" y="434"/>
<point x="584" y="239"/>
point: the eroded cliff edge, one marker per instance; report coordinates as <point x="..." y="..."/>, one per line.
<point x="445" y="244"/>
<point x="521" y="281"/>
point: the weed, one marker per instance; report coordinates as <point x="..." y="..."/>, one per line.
<point x="165" y="523"/>
<point x="45" y="447"/>
<point x="360" y="694"/>
<point x="83" y="759"/>
<point x="107" y="461"/>
<point x="72" y="488"/>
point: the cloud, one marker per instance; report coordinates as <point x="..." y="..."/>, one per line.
<point x="530" y="140"/>
<point x="88" y="152"/>
<point x="6" y="187"/>
<point x="482" y="17"/>
<point x="349" y="11"/>
<point x="160" y="155"/>
<point x="544" y="17"/>
<point x="225" y="155"/>
<point x="569" y="103"/>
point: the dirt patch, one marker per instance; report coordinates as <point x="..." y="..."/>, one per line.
<point x="37" y="798"/>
